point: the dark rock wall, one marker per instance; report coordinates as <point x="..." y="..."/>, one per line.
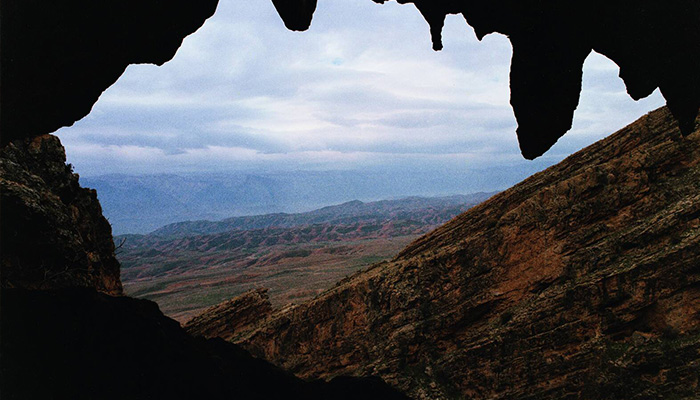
<point x="52" y="232"/>
<point x="58" y="56"/>
<point x="80" y="344"/>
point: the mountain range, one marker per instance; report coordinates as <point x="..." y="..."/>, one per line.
<point x="143" y="203"/>
<point x="426" y="211"/>
<point x="188" y="266"/>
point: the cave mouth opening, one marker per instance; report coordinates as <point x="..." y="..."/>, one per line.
<point x="251" y="119"/>
<point x="363" y="96"/>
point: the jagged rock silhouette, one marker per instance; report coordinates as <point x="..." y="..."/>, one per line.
<point x="655" y="43"/>
<point x="70" y="52"/>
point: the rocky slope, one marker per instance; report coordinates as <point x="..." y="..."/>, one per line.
<point x="53" y="232"/>
<point x="185" y="272"/>
<point x="240" y="314"/>
<point x="581" y="282"/>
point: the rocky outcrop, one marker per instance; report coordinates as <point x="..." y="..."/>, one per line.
<point x="53" y="234"/>
<point x="58" y="56"/>
<point x="581" y="282"/>
<point x="80" y="344"/>
<point x="654" y="42"/>
<point x="232" y="318"/>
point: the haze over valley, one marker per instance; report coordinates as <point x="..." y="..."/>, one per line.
<point x="143" y="203"/>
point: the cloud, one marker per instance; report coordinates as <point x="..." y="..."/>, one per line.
<point x="362" y="89"/>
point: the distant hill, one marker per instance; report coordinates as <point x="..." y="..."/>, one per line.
<point x="188" y="266"/>
<point x="426" y="211"/>
<point x="143" y="203"/>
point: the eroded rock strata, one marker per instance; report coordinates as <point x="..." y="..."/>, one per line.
<point x="656" y="43"/>
<point x="581" y="282"/>
<point x="233" y="317"/>
<point x="52" y="231"/>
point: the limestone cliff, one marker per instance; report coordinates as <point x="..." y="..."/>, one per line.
<point x="581" y="282"/>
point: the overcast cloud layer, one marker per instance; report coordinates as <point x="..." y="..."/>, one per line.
<point x="362" y="89"/>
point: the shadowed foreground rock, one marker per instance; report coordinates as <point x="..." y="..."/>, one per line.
<point x="52" y="231"/>
<point x="64" y="340"/>
<point x="581" y="282"/>
<point x="80" y="344"/>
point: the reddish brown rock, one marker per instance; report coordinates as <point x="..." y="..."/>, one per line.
<point x="581" y="282"/>
<point x="232" y="318"/>
<point x="53" y="232"/>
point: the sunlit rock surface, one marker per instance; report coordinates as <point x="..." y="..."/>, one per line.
<point x="581" y="282"/>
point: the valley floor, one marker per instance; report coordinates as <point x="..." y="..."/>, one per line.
<point x="292" y="273"/>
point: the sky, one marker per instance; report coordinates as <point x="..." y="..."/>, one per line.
<point x="361" y="90"/>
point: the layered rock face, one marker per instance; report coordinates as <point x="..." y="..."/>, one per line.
<point x="53" y="234"/>
<point x="581" y="282"/>
<point x="230" y="318"/>
<point x="656" y="44"/>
